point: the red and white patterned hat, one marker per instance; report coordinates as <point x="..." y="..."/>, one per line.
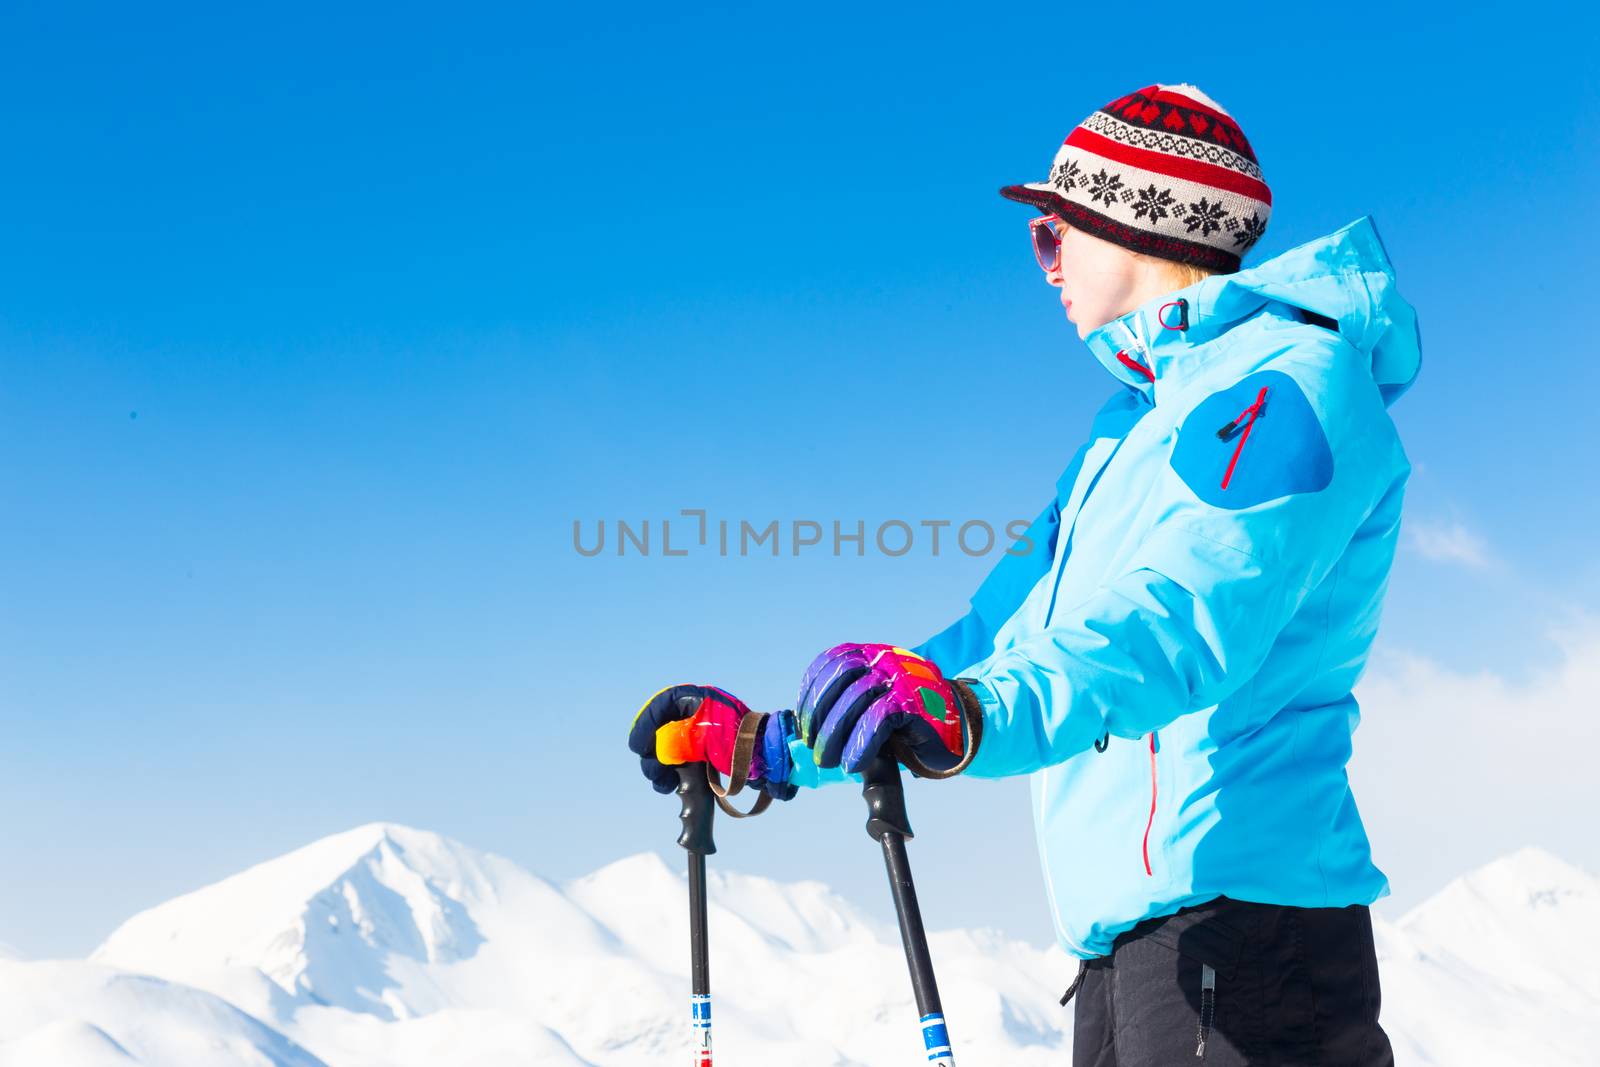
<point x="1163" y="170"/>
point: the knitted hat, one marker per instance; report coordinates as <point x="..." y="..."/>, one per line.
<point x="1164" y="171"/>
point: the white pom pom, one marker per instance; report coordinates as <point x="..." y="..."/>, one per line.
<point x="1191" y="91"/>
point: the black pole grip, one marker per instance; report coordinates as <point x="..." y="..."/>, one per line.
<point x="698" y="808"/>
<point x="886" y="797"/>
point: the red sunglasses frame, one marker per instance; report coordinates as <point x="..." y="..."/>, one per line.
<point x="1050" y="237"/>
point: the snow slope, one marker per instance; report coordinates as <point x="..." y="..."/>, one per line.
<point x="391" y="946"/>
<point x="1499" y="967"/>
<point x="75" y="1014"/>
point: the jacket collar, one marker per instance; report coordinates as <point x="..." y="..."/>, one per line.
<point x="1162" y="335"/>
<point x="1143" y="350"/>
<point x="1344" y="279"/>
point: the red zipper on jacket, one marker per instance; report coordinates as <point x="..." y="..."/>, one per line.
<point x="1134" y="365"/>
<point x="1253" y="410"/>
<point x="1152" y="821"/>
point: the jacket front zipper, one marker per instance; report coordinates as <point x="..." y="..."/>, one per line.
<point x="1152" y="820"/>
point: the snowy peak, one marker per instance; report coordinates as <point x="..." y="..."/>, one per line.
<point x="1528" y="887"/>
<point x="1519" y="917"/>
<point x="395" y="903"/>
<point x="643" y="872"/>
<point x="341" y="922"/>
<point x="1536" y="877"/>
<point x="404" y="895"/>
<point x="794" y="916"/>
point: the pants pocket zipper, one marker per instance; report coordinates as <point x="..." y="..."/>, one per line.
<point x="1208" y="1007"/>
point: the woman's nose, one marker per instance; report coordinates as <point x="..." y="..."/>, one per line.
<point x="1053" y="276"/>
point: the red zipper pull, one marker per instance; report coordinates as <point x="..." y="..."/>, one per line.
<point x="1253" y="410"/>
<point x="1133" y="364"/>
<point x="1152" y="820"/>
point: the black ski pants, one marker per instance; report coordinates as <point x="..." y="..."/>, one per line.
<point x="1231" y="983"/>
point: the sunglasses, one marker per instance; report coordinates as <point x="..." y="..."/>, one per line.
<point x="1046" y="233"/>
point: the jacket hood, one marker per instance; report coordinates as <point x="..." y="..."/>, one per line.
<point x="1345" y="277"/>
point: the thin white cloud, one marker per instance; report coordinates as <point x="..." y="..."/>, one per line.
<point x="1454" y="767"/>
<point x="1447" y="542"/>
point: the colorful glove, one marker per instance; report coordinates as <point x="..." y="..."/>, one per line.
<point x="854" y="696"/>
<point x="700" y="723"/>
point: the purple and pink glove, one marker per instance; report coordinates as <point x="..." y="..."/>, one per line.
<point x="700" y="724"/>
<point x="853" y="697"/>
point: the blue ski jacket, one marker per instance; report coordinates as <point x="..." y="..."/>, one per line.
<point x="1173" y="662"/>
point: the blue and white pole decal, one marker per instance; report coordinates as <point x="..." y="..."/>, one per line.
<point x="700" y="1023"/>
<point x="937" y="1039"/>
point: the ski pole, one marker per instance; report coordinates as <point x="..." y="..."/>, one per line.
<point x="699" y="787"/>
<point x="888" y="825"/>
<point x="694" y="790"/>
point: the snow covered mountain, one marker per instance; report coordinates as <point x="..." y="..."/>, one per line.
<point x="391" y="946"/>
<point x="387" y="945"/>
<point x="1497" y="968"/>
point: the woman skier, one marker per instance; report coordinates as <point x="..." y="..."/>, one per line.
<point x="1172" y="662"/>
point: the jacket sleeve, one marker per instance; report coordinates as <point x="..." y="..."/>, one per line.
<point x="1198" y="600"/>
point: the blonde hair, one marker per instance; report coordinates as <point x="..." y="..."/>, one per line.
<point x="1182" y="275"/>
<point x="1186" y="274"/>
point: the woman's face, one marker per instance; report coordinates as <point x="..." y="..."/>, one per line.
<point x="1098" y="280"/>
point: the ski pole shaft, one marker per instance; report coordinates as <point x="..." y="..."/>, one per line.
<point x="695" y="793"/>
<point x="888" y="824"/>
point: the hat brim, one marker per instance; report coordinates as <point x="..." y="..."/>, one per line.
<point x="1048" y="198"/>
<point x="1041" y="195"/>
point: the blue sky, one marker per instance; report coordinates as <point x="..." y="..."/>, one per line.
<point x="318" y="331"/>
